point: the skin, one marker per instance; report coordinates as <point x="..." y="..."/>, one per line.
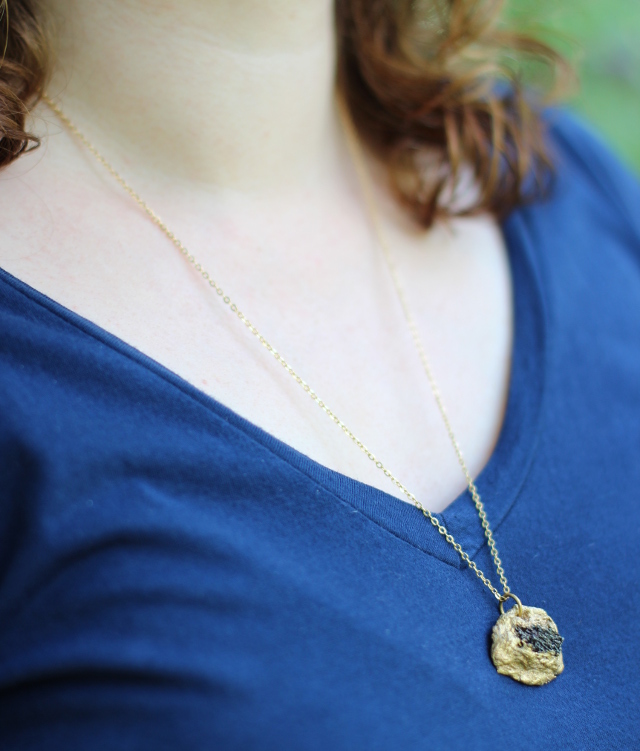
<point x="221" y="113"/>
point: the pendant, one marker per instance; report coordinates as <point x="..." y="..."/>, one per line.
<point x="526" y="644"/>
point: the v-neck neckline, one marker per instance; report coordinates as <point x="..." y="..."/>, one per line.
<point x="502" y="478"/>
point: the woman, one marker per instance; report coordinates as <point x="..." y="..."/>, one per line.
<point x="192" y="555"/>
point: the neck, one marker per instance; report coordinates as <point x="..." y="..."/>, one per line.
<point x="233" y="94"/>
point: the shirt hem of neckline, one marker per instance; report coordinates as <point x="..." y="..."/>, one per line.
<point x="394" y="515"/>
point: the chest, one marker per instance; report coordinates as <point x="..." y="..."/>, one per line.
<point x="317" y="288"/>
<point x="165" y="554"/>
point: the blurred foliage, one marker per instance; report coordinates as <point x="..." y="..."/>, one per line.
<point x="602" y="40"/>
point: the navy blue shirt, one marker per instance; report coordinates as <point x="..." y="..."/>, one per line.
<point x="174" y="577"/>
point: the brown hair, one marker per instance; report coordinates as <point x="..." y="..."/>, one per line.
<point x="426" y="83"/>
<point x="23" y="74"/>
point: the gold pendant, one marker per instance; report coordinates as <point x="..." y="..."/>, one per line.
<point x="526" y="644"/>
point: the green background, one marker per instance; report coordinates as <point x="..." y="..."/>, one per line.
<point x="602" y="39"/>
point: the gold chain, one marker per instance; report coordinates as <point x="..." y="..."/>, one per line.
<point x="371" y="206"/>
<point x="374" y="214"/>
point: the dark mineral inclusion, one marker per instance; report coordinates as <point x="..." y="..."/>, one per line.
<point x="540" y="639"/>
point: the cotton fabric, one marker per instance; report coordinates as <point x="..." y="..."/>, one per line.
<point x="174" y="577"/>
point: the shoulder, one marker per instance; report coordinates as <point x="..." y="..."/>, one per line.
<point x="589" y="175"/>
<point x="582" y="241"/>
<point x="585" y="232"/>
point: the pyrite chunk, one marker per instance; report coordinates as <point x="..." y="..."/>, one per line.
<point x="527" y="646"/>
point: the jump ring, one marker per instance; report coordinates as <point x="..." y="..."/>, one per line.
<point x="505" y="597"/>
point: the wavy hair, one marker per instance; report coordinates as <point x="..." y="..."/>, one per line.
<point x="430" y="86"/>
<point x="24" y="71"/>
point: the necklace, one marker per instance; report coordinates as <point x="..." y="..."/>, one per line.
<point x="526" y="644"/>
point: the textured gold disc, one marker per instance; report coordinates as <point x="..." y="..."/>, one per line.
<point x="527" y="646"/>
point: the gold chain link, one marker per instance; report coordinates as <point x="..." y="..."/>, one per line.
<point x="372" y="209"/>
<point x="374" y="214"/>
